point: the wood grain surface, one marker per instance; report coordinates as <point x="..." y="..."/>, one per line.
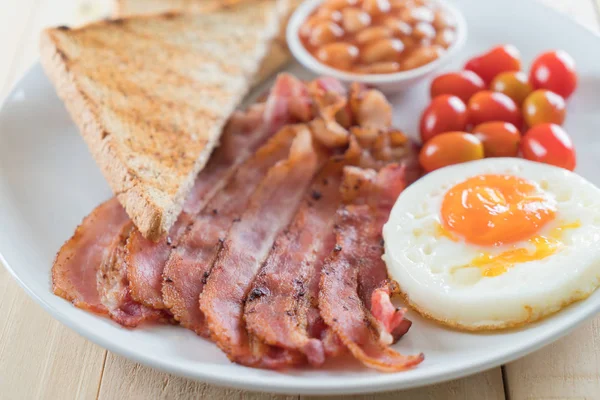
<point x="41" y="359"/>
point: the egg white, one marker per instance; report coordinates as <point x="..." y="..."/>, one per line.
<point x="425" y="263"/>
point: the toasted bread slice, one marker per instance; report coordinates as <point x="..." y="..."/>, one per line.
<point x="151" y="94"/>
<point x="125" y="8"/>
<point x="277" y="57"/>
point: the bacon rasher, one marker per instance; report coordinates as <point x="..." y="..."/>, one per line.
<point x="356" y="254"/>
<point x="282" y="306"/>
<point x="89" y="269"/>
<point x="113" y="286"/>
<point x="269" y="211"/>
<point x="74" y="273"/>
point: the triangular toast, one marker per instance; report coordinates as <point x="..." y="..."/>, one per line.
<point x="150" y="95"/>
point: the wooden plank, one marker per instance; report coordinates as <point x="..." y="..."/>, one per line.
<point x="124" y="379"/>
<point x="42" y="359"/>
<point x="53" y="13"/>
<point x="569" y="368"/>
<point x="487" y="385"/>
<point x="14" y="26"/>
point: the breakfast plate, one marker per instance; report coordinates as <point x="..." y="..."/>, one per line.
<point x="49" y="182"/>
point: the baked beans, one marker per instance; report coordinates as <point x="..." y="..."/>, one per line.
<point x="378" y="36"/>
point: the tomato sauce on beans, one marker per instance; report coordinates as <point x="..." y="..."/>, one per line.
<point x="377" y="36"/>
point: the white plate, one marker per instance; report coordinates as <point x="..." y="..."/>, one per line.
<point x="49" y="182"/>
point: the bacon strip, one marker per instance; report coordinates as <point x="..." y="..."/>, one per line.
<point x="113" y="286"/>
<point x="327" y="84"/>
<point x="357" y="254"/>
<point x="390" y="318"/>
<point x="282" y="309"/>
<point x="270" y="209"/>
<point x="245" y="132"/>
<point x="190" y="263"/>
<point x="77" y="261"/>
<point x="374" y="287"/>
<point x="288" y="101"/>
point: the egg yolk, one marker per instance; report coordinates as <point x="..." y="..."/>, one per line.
<point x="489" y="210"/>
<point x="491" y="265"/>
<point x="543" y="246"/>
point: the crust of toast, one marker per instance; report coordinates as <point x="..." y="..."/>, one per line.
<point x="278" y="54"/>
<point x="150" y="102"/>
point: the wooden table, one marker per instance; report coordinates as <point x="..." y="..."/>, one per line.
<point x="40" y="358"/>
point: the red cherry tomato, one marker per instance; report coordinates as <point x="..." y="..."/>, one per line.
<point x="489" y="106"/>
<point x="543" y="106"/>
<point x="463" y="85"/>
<point x="445" y="113"/>
<point x="555" y="71"/>
<point x="550" y="144"/>
<point x="513" y="84"/>
<point x="500" y="139"/>
<point x="450" y="148"/>
<point x="497" y="60"/>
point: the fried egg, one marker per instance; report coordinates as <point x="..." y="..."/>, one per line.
<point x="495" y="243"/>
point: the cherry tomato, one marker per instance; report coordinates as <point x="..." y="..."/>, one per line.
<point x="554" y="70"/>
<point x="450" y="148"/>
<point x="544" y="106"/>
<point x="497" y="60"/>
<point x="513" y="84"/>
<point x="463" y="85"/>
<point x="550" y="144"/>
<point x="445" y="113"/>
<point x="489" y="106"/>
<point x="500" y="139"/>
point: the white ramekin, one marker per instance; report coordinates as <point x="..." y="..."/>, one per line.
<point x="387" y="83"/>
